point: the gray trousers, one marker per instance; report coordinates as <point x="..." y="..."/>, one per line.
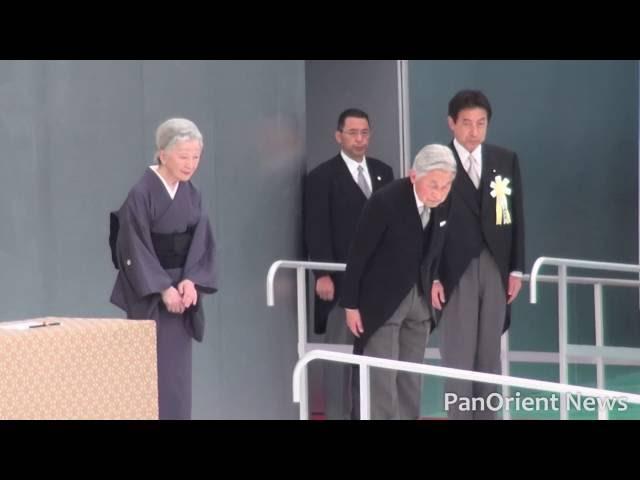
<point x="337" y="376"/>
<point x="471" y="324"/>
<point x="396" y="395"/>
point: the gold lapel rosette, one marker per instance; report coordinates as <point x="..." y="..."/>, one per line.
<point x="499" y="190"/>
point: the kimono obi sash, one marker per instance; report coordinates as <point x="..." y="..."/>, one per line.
<point x="172" y="248"/>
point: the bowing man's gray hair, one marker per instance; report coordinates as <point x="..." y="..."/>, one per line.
<point x="434" y="157"/>
<point x="176" y="130"/>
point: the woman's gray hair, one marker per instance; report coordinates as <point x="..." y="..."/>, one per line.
<point x="434" y="157"/>
<point x="176" y="130"/>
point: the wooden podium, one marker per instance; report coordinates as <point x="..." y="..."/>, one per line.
<point x="78" y="369"/>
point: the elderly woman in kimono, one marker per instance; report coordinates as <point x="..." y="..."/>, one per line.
<point x="163" y="247"/>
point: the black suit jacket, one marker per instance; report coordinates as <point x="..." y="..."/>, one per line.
<point x="472" y="220"/>
<point x="390" y="254"/>
<point x="332" y="206"/>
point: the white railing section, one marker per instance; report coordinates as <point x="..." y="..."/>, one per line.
<point x="365" y="363"/>
<point x="598" y="354"/>
<point x="301" y="289"/>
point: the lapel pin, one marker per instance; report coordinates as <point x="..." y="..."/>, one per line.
<point x="379" y="177"/>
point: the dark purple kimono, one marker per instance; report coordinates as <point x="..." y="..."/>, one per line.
<point x="141" y="279"/>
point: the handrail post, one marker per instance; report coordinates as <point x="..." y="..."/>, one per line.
<point x="603" y="414"/>
<point x="300" y="388"/>
<point x="302" y="311"/>
<point x="563" y="337"/>
<point x="365" y="392"/>
<point x="533" y="279"/>
<point x="302" y="338"/>
<point x="271" y="275"/>
<point x="504" y="356"/>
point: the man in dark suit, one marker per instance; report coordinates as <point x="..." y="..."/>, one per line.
<point x="335" y="193"/>
<point x="391" y="264"/>
<point x="483" y="257"/>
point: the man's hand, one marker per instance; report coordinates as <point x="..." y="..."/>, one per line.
<point x="325" y="288"/>
<point x="515" y="284"/>
<point x="437" y="295"/>
<point x="354" y="322"/>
